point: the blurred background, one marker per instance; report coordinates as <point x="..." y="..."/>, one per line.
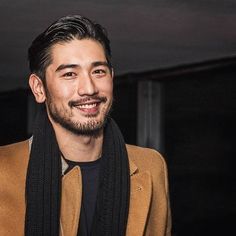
<point x="175" y="91"/>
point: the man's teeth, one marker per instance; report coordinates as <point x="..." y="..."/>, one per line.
<point x="87" y="106"/>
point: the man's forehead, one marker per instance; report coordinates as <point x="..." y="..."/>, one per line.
<point x="78" y="43"/>
<point x="77" y="49"/>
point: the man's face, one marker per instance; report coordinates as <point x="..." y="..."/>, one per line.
<point x="79" y="86"/>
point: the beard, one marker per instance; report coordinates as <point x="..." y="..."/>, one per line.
<point x="64" y="117"/>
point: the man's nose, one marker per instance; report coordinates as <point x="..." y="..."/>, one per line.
<point x="87" y="85"/>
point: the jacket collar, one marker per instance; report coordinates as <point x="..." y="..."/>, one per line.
<point x="132" y="166"/>
<point x="140" y="192"/>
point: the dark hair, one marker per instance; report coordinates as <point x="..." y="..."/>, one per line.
<point x="64" y="29"/>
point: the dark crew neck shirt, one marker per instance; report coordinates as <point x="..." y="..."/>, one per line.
<point x="90" y="182"/>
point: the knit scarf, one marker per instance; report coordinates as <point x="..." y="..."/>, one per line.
<point x="43" y="183"/>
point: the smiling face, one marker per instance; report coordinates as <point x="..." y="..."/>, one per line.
<point x="79" y="84"/>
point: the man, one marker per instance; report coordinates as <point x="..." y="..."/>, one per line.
<point x="76" y="176"/>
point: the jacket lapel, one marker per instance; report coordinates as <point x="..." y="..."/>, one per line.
<point x="140" y="198"/>
<point x="70" y="202"/>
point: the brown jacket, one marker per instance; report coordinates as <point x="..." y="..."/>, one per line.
<point x="149" y="212"/>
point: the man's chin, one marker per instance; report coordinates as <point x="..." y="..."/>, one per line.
<point x="86" y="131"/>
<point x="80" y="125"/>
<point x="92" y="127"/>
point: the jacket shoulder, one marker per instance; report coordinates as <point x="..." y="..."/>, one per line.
<point x="13" y="146"/>
<point x="13" y="169"/>
<point x="145" y="157"/>
<point x="13" y="155"/>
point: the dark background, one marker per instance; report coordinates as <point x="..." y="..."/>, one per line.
<point x="145" y="35"/>
<point x="199" y="136"/>
<point x="188" y="48"/>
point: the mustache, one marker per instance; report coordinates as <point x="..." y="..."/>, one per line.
<point x="87" y="99"/>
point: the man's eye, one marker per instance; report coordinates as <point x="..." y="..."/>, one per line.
<point x="99" y="72"/>
<point x="69" y="74"/>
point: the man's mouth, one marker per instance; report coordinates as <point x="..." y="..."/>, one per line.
<point x="91" y="107"/>
<point x="88" y="105"/>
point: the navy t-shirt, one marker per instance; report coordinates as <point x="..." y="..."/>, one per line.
<point x="90" y="182"/>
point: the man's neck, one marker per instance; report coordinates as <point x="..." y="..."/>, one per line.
<point x="79" y="148"/>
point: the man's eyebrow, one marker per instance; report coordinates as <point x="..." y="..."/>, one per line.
<point x="100" y="63"/>
<point x="94" y="64"/>
<point x="65" y="66"/>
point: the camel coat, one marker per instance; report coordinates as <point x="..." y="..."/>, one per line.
<point x="149" y="213"/>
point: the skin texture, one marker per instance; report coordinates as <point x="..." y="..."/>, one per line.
<point x="78" y="95"/>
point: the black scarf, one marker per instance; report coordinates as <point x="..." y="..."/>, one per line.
<point x="43" y="183"/>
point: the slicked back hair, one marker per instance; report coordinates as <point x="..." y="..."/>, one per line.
<point x="64" y="29"/>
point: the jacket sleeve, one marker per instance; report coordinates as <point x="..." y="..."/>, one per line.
<point x="169" y="222"/>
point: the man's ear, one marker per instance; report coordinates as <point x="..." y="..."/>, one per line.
<point x="37" y="88"/>
<point x="112" y="73"/>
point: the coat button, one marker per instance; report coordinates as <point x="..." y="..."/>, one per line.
<point x="139" y="188"/>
